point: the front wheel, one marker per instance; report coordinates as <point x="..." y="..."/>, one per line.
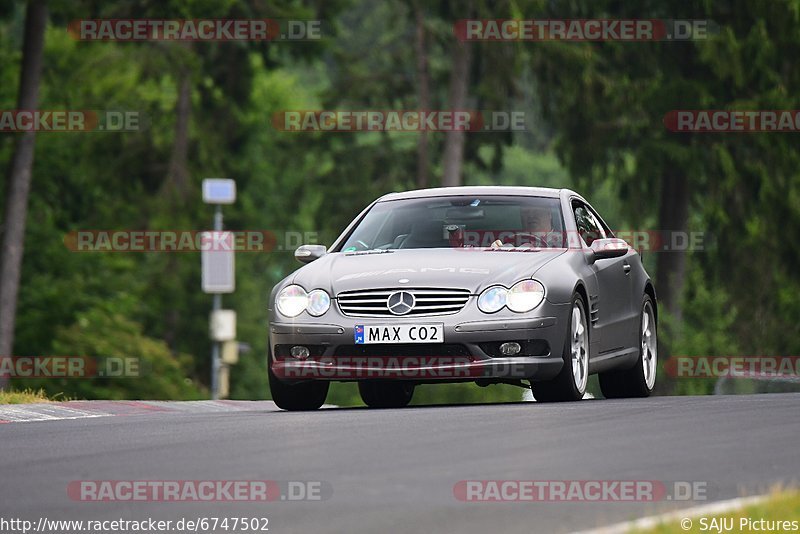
<point x="639" y="380"/>
<point x="296" y="397"/>
<point x="382" y="394"/>
<point x="570" y="383"/>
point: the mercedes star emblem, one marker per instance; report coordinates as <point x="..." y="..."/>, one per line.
<point x="400" y="302"/>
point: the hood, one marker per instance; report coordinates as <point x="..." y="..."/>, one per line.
<point x="471" y="268"/>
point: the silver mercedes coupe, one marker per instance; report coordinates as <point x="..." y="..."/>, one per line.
<point x="517" y="285"/>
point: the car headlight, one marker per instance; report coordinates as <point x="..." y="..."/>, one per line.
<point x="318" y="302"/>
<point x="292" y="300"/>
<point x="493" y="299"/>
<point x="525" y="296"/>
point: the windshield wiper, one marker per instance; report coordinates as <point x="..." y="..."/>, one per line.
<point x="513" y="249"/>
<point x="367" y="252"/>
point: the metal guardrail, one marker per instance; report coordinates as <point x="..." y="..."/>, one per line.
<point x="762" y="384"/>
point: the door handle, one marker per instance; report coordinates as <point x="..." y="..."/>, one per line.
<point x="626" y="267"/>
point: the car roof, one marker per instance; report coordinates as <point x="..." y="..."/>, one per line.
<point x="477" y="190"/>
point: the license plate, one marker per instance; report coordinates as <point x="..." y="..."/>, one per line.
<point x="404" y="333"/>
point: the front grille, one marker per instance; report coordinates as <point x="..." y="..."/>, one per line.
<point x="372" y="302"/>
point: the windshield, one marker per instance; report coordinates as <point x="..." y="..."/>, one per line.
<point x="459" y="222"/>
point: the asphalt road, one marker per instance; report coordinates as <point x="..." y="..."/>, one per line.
<point x="394" y="470"/>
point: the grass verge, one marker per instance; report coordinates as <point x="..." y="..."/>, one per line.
<point x="779" y="513"/>
<point x="28" y="396"/>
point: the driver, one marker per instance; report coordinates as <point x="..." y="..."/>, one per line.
<point x="538" y="224"/>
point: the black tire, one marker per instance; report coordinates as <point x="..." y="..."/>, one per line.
<point x="630" y="383"/>
<point x="296" y="397"/>
<point x="385" y="394"/>
<point x="562" y="388"/>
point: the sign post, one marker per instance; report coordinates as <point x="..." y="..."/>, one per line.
<point x="218" y="276"/>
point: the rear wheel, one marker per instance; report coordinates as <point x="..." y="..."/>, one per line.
<point x="639" y="380"/>
<point x="383" y="394"/>
<point x="570" y="383"/>
<point x="296" y="397"/>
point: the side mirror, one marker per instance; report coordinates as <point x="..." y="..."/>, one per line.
<point x="309" y="253"/>
<point x="604" y="249"/>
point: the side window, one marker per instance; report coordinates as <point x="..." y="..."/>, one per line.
<point x="606" y="230"/>
<point x="588" y="226"/>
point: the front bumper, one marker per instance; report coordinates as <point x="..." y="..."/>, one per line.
<point x="469" y="352"/>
